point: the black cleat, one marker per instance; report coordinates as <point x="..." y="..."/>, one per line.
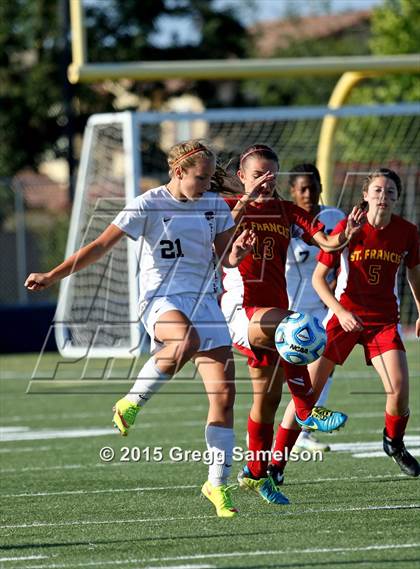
<point x="276" y="474"/>
<point x="395" y="448"/>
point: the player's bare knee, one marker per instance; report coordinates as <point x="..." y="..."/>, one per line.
<point x="188" y="346"/>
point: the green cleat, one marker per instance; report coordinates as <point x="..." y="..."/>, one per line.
<point x="220" y="497"/>
<point x="125" y="413"/>
<point x="264" y="487"/>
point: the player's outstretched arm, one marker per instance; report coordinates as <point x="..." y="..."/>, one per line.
<point x="348" y="321"/>
<point x="413" y="277"/>
<point x="232" y="251"/>
<point x="337" y="241"/>
<point x="82" y="258"/>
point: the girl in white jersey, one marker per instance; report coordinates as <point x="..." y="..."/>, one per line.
<point x="305" y="190"/>
<point x="183" y="227"/>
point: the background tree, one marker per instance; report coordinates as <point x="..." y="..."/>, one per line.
<point x="395" y="30"/>
<point x="32" y="114"/>
<point x="395" y="26"/>
<point x="309" y="89"/>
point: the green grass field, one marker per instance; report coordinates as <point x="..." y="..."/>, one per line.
<point x="62" y="507"/>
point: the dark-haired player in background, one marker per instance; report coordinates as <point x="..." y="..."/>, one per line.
<point x="305" y="190"/>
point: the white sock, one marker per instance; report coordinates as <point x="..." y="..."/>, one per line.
<point x="324" y="393"/>
<point x="148" y="382"/>
<point x="304" y="434"/>
<point x="220" y="442"/>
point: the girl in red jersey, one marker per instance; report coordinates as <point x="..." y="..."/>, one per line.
<point x="364" y="309"/>
<point x="254" y="303"/>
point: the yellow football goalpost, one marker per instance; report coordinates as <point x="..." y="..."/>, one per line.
<point x="354" y="69"/>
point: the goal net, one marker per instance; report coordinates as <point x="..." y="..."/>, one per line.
<point x="124" y="154"/>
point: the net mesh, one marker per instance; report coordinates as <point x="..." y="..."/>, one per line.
<point x="96" y="306"/>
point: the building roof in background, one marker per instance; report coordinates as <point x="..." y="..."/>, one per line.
<point x="280" y="34"/>
<point x="41" y="192"/>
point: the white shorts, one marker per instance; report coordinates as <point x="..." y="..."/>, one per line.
<point x="237" y="321"/>
<point x="320" y="313"/>
<point x="204" y="313"/>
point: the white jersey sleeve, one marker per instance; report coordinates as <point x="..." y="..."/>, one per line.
<point x="301" y="262"/>
<point x="132" y="219"/>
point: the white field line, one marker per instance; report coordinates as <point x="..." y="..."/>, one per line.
<point x="111" y="490"/>
<point x="85" y="466"/>
<point x="379" y="454"/>
<point x="278" y="552"/>
<point x="303" y="512"/>
<point x="286" y="552"/>
<point x="178" y="410"/>
<point x="163" y="443"/>
<point x="295" y="482"/>
<point x="63" y="416"/>
<point x="43" y="468"/>
<point x="9" y="434"/>
<point x="13" y="429"/>
<point x="370" y="432"/>
<point x="18" y="433"/>
<point x="27" y="558"/>
<point x="180" y="566"/>
<point x="359" y="446"/>
<point x="24" y="449"/>
<point x="358" y="450"/>
<point x="45" y="434"/>
<point x="105" y="522"/>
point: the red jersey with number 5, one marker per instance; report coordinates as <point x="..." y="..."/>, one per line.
<point x="367" y="283"/>
<point x="260" y="278"/>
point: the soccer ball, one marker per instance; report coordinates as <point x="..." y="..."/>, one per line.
<point x="300" y="338"/>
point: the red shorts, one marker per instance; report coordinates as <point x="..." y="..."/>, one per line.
<point x="375" y="340"/>
<point x="258" y="357"/>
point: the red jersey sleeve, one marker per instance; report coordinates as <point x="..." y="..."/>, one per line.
<point x="412" y="258"/>
<point x="231" y="202"/>
<point x="306" y="222"/>
<point x="332" y="259"/>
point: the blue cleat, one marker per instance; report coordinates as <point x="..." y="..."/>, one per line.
<point x="323" y="420"/>
<point x="264" y="487"/>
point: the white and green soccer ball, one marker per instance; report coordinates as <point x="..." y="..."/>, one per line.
<point x="300" y="338"/>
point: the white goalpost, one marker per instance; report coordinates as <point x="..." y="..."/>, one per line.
<point x="123" y="155"/>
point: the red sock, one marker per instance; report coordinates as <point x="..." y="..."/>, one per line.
<point x="300" y="387"/>
<point x="285" y="440"/>
<point x="395" y="425"/>
<point x="260" y="437"/>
